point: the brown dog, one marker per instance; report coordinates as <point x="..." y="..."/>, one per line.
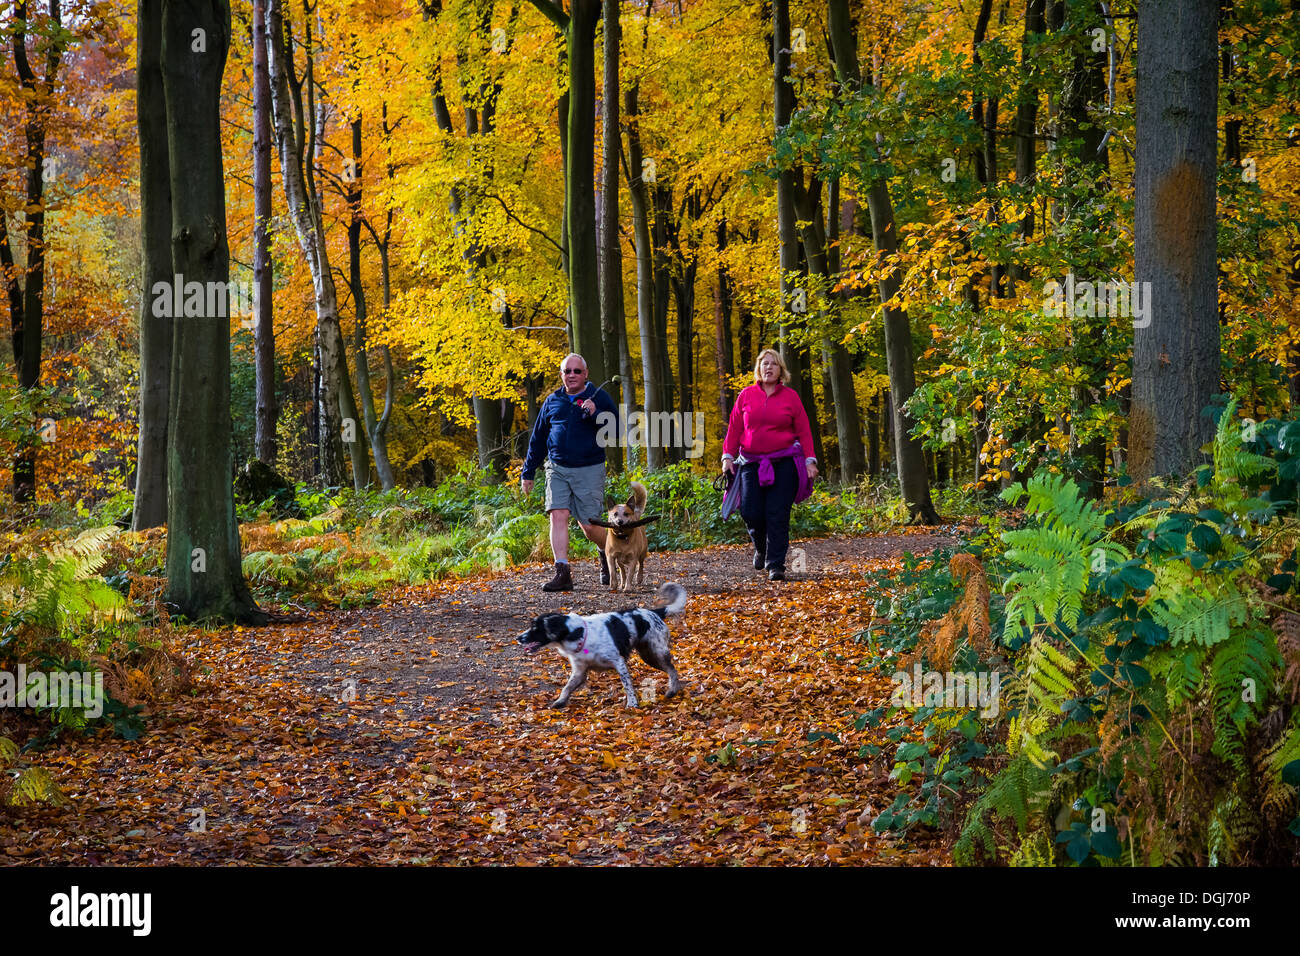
<point x="625" y="544"/>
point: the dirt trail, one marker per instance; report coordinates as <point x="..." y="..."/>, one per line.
<point x="417" y="731"/>
<point x="474" y="625"/>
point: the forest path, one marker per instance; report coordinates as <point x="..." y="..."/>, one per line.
<point x="417" y="731"/>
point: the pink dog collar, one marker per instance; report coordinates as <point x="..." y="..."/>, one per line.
<point x="582" y="648"/>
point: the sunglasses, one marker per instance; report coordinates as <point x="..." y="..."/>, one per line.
<point x="574" y="371"/>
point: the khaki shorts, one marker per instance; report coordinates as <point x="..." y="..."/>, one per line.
<point x="580" y="491"/>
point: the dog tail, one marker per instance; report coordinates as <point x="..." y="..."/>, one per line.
<point x="675" y="595"/>
<point x="639" y="497"/>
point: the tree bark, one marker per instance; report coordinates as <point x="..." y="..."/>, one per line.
<point x="264" y="307"/>
<point x="150" y="508"/>
<point x="378" y="441"/>
<point x="609" y="262"/>
<point x="28" y="322"/>
<point x="848" y="424"/>
<point x="662" y="207"/>
<point x="1026" y="124"/>
<point x="291" y="131"/>
<point x="787" y="234"/>
<point x="651" y="366"/>
<point x="723" y="352"/>
<point x="204" y="577"/>
<point x="1085" y="87"/>
<point x="909" y="459"/>
<point x="579" y="28"/>
<point x="1176" y="356"/>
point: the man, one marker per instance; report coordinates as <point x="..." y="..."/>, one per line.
<point x="564" y="436"/>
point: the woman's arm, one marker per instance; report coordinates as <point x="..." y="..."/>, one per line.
<point x="802" y="430"/>
<point x="735" y="427"/>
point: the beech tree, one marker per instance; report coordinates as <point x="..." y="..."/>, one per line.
<point x="27" y="296"/>
<point x="1176" y="352"/>
<point x="579" y="29"/>
<point x="150" y="509"/>
<point x="204" y="576"/>
<point x="263" y="328"/>
<point x="909" y="458"/>
<point x="295" y="133"/>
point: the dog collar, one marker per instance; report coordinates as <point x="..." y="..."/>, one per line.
<point x="582" y="648"/>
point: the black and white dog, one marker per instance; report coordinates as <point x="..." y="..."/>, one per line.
<point x="604" y="641"/>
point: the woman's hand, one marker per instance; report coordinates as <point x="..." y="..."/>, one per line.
<point x="812" y="471"/>
<point x="728" y="466"/>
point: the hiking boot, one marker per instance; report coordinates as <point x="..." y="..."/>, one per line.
<point x="563" y="580"/>
<point x="776" y="574"/>
<point x="759" y="559"/>
<point x="604" y="567"/>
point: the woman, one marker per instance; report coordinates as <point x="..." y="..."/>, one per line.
<point x="769" y="430"/>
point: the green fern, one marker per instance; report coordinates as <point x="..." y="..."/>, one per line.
<point x="26" y="784"/>
<point x="1232" y="462"/>
<point x="1193" y="609"/>
<point x="35" y="785"/>
<point x="1042" y="681"/>
<point x="60" y="586"/>
<point x="1056" y="556"/>
<point x="1233" y="827"/>
<point x="1245" y="662"/>
<point x="1182" y="674"/>
<point x="1037" y="849"/>
<point x="1017" y="792"/>
<point x="1279" y="795"/>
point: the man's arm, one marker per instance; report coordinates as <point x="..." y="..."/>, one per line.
<point x="537" y="444"/>
<point x="604" y="403"/>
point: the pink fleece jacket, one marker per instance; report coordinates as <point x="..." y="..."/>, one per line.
<point x="762" y="423"/>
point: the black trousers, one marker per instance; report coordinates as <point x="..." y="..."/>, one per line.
<point x="766" y="511"/>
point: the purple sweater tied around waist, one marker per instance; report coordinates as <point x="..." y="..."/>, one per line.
<point x="767" y="475"/>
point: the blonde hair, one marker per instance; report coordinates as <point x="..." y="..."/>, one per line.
<point x="785" y="372"/>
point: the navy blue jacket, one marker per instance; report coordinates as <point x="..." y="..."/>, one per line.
<point x="564" y="434"/>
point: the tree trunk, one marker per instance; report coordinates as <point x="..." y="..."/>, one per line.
<point x="28" y="321"/>
<point x="745" y="360"/>
<point x="792" y="300"/>
<point x="663" y="203"/>
<point x="263" y="329"/>
<point x="1176" y="356"/>
<point x="1026" y="124"/>
<point x="579" y="28"/>
<point x="204" y="577"/>
<point x="848" y="424"/>
<point x="651" y="367"/>
<point x="150" y="509"/>
<point x="1085" y="90"/>
<point x="909" y="459"/>
<point x="723" y="352"/>
<point x="873" y="438"/>
<point x="296" y="155"/>
<point x="378" y="441"/>
<point x="609" y="262"/>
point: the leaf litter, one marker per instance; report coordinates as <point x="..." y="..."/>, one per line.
<point x="416" y="732"/>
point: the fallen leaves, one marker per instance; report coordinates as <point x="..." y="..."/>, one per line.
<point x="448" y="755"/>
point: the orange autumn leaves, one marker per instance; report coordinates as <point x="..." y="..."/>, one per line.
<point x="447" y="752"/>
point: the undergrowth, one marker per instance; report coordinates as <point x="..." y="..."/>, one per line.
<point x="1147" y="652"/>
